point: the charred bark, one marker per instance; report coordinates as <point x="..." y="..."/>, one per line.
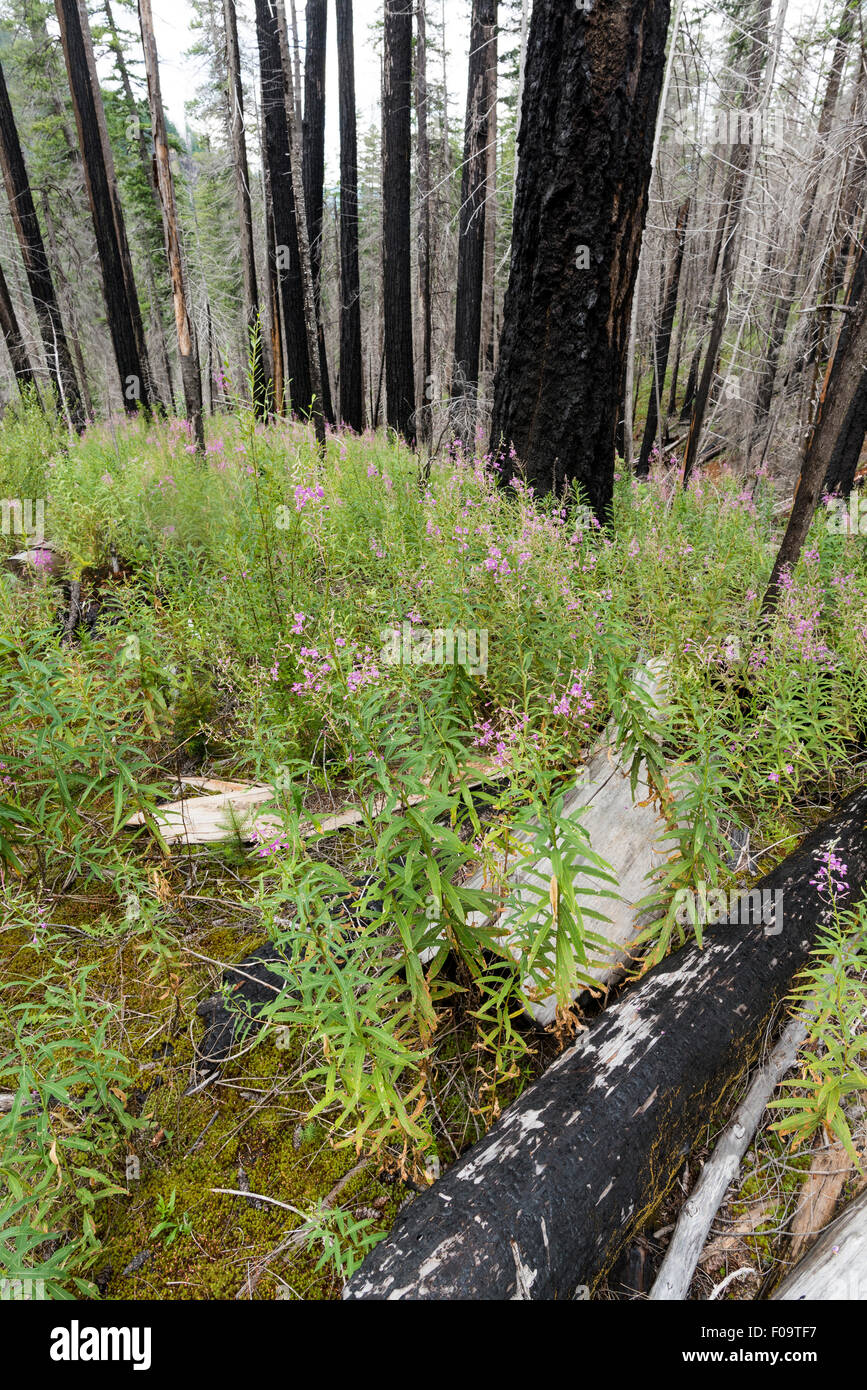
<point x="351" y="384"/>
<point x="127" y="337"/>
<point x="396" y="260"/>
<point x="13" y="339"/>
<point x="471" y="221"/>
<point x="558" y="1187"/>
<point x="423" y="192"/>
<point x="592" y="85"/>
<point x="26" y="223"/>
<point x="285" y="266"/>
<point x="241" y="170"/>
<point x="840" y="410"/>
<point x="314" y="168"/>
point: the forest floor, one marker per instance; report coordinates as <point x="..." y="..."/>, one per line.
<point x="265" y="617"/>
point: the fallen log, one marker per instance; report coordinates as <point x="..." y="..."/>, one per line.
<point x="546" y="1201"/>
<point x="695" y="1220"/>
<point x="626" y="829"/>
<point x="836" y="1266"/>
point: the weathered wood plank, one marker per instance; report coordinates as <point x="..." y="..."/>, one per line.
<point x="836" y="1266"/>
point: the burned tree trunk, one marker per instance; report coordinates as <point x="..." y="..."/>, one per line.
<point x="489" y="288"/>
<point x="33" y="255"/>
<point x="576" y="238"/>
<point x="351" y="385"/>
<point x="840" y="413"/>
<point x="127" y="335"/>
<point x="840" y="477"/>
<point x="471" y="221"/>
<point x="396" y="260"/>
<point x="147" y="165"/>
<point x="285" y="267"/>
<point x="742" y="165"/>
<point x="241" y="170"/>
<point x="423" y="193"/>
<point x="191" y="379"/>
<point x="149" y="392"/>
<point x="312" y="331"/>
<point x="314" y="169"/>
<point x="662" y="344"/>
<point x="14" y="341"/>
<point x="782" y="308"/>
<point x="548" y="1199"/>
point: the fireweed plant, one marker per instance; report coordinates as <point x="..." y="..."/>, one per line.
<point x="251" y="638"/>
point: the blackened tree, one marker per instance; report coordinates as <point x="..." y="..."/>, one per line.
<point x="591" y="90"/>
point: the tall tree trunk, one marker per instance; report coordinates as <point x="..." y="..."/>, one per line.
<point x="351" y="382"/>
<point x="792" y="277"/>
<point x="471" y="222"/>
<point x="241" y="172"/>
<point x="302" y="247"/>
<point x="489" y="288"/>
<point x="67" y="306"/>
<point x="576" y="238"/>
<point x="314" y="168"/>
<point x="424" y="393"/>
<point x="296" y="50"/>
<point x="24" y="376"/>
<point x="149" y="171"/>
<point x="122" y="313"/>
<point x="396" y="251"/>
<point x="842" y="394"/>
<point x="33" y="255"/>
<point x="151" y="391"/>
<point x="191" y="378"/>
<point x="285" y="265"/>
<point x="663" y="343"/>
<point x="743" y="163"/>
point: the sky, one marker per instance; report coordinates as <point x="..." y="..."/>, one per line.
<point x="180" y="75"/>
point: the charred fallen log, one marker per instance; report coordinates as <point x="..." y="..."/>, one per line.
<point x="546" y="1201"/>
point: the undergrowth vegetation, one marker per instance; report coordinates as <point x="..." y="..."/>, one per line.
<point x="269" y="617"/>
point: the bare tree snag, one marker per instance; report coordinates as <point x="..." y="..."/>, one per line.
<point x="191" y="379"/>
<point x="13" y="339"/>
<point x="351" y="384"/>
<point x="471" y="221"/>
<point x="423" y="194"/>
<point x="396" y="259"/>
<point x="841" y="393"/>
<point x="576" y="238"/>
<point x="562" y="1181"/>
<point x="663" y="343"/>
<point x="127" y="339"/>
<point x="39" y="278"/>
<point x="308" y="295"/>
<point x="241" y="171"/>
<point x="314" y="168"/>
<point x="284" y="268"/>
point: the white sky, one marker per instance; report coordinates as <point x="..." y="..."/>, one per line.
<point x="180" y="75"/>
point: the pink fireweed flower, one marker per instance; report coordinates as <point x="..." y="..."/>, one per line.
<point x="831" y="877"/>
<point x="303" y="495"/>
<point x="575" y="702"/>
